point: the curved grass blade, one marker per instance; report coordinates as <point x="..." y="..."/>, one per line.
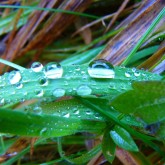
<point x="30" y="124"/>
<point x="83" y="158"/>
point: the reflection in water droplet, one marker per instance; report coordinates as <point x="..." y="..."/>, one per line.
<point x="59" y="92"/>
<point x="101" y="69"/>
<point x="14" y="77"/>
<point x="43" y="81"/>
<point x="53" y="70"/>
<point x="36" y="67"/>
<point x="39" y="92"/>
<point x="84" y="90"/>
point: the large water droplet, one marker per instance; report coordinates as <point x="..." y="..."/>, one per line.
<point x="14" y="77"/>
<point x="53" y="70"/>
<point x="101" y="69"/>
<point x="84" y="90"/>
<point x="36" y="67"/>
<point x="59" y="92"/>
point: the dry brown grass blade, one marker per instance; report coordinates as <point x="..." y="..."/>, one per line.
<point x="85" y="34"/>
<point x="121" y="45"/>
<point x="150" y="62"/>
<point x="129" y="158"/>
<point x="124" y="4"/>
<point x="26" y="32"/>
<point x="54" y="26"/>
<point x="18" y="146"/>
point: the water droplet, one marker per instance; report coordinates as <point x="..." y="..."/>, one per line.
<point x="59" y="92"/>
<point x="39" y="92"/>
<point x="84" y="90"/>
<point x="88" y="112"/>
<point x="43" y="81"/>
<point x="127" y="74"/>
<point x="53" y="70"/>
<point x="133" y="69"/>
<point x="37" y="110"/>
<point x="43" y="131"/>
<point x="19" y="85"/>
<point x="36" y="67"/>
<point x="2" y="101"/>
<point x="67" y="115"/>
<point x="14" y="77"/>
<point x="76" y="111"/>
<point x="101" y="69"/>
<point x="136" y="73"/>
<point x="77" y="68"/>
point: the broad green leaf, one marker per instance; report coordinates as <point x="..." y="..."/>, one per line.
<point x="123" y="139"/>
<point x="32" y="84"/>
<point x="108" y="147"/>
<point x="146" y="100"/>
<point x="30" y="124"/>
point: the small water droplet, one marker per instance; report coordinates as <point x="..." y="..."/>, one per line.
<point x="77" y="68"/>
<point x="2" y="101"/>
<point x="14" y="77"/>
<point x="39" y="92"/>
<point x="67" y="115"/>
<point x="43" y="131"/>
<point x="76" y="111"/>
<point x="133" y="69"/>
<point x="36" y="67"/>
<point x="37" y="110"/>
<point x="101" y="69"/>
<point x="59" y="92"/>
<point x="127" y="74"/>
<point x="88" y="112"/>
<point x="136" y="73"/>
<point x="19" y="85"/>
<point x="43" y="81"/>
<point x="84" y="90"/>
<point x="53" y="70"/>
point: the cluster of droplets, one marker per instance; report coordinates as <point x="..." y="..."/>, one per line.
<point x="78" y="111"/>
<point x="98" y="69"/>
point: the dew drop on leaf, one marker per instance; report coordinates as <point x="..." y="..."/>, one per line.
<point x="19" y="85"/>
<point x="136" y="73"/>
<point x="2" y="101"/>
<point x="53" y="70"/>
<point x="43" y="81"/>
<point x="127" y="74"/>
<point x="84" y="90"/>
<point x="37" y="110"/>
<point x="101" y="69"/>
<point x="14" y="77"/>
<point x="67" y="115"/>
<point x="36" y="67"/>
<point x="39" y="92"/>
<point x="59" y="92"/>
